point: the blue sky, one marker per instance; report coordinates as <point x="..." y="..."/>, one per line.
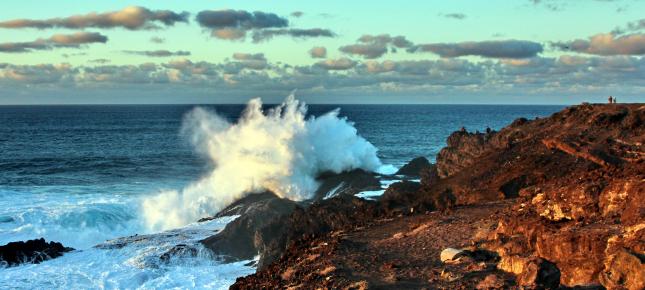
<point x="533" y="51"/>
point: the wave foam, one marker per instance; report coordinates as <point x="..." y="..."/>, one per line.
<point x="280" y="150"/>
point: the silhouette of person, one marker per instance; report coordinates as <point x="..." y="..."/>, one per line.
<point x="611" y="100"/>
<point x="614" y="100"/>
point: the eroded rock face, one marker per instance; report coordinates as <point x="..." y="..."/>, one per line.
<point x="32" y="251"/>
<point x="575" y="182"/>
<point x="462" y="151"/>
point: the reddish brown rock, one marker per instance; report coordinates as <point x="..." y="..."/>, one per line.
<point x="569" y="196"/>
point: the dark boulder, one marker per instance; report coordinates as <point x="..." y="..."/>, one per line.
<point x="32" y="251"/>
<point x="346" y="183"/>
<point x="244" y="237"/>
<point x="414" y="167"/>
<point x="399" y="196"/>
<point x="179" y="251"/>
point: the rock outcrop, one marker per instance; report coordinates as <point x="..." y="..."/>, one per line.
<point x="32" y="251"/>
<point x="256" y="228"/>
<point x="345" y="183"/>
<point x="569" y="195"/>
<point x="415" y="167"/>
<point x="268" y="223"/>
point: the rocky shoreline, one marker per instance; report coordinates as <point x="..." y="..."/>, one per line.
<point x="548" y="203"/>
<point x="556" y="202"/>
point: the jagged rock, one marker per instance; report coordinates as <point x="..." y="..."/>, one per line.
<point x="541" y="274"/>
<point x="346" y="183"/>
<point x="32" y="251"/>
<point x="244" y="237"/>
<point x="429" y="176"/>
<point x="462" y="150"/>
<point x="246" y="204"/>
<point x="624" y="270"/>
<point x="414" y="167"/>
<point x="575" y="186"/>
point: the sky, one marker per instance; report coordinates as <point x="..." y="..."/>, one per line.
<point x="383" y="52"/>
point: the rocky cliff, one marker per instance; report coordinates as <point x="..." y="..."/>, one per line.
<point x="545" y="203"/>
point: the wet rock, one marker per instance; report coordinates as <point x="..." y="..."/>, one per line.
<point x="414" y="167"/>
<point x="245" y="205"/>
<point x="244" y="237"/>
<point x="32" y="251"/>
<point x="179" y="251"/>
<point x="346" y="183"/>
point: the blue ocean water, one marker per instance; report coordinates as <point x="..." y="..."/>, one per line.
<point x="76" y="174"/>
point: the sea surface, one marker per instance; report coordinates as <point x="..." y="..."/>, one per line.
<point x="77" y="175"/>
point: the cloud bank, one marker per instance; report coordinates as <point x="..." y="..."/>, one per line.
<point x="375" y="46"/>
<point x="157" y="53"/>
<point x="487" y="49"/>
<point x="606" y="44"/>
<point x="132" y="18"/>
<point x="75" y="40"/>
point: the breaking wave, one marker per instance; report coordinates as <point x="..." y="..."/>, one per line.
<point x="280" y="150"/>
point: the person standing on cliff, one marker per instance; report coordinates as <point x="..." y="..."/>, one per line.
<point x="614" y="100"/>
<point x="611" y="100"/>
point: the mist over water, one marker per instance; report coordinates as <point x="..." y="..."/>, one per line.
<point x="280" y="150"/>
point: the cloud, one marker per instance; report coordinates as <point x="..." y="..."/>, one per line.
<point x="75" y="40"/>
<point x="369" y="51"/>
<point x="552" y="5"/>
<point x="215" y="19"/>
<point x="318" y="52"/>
<point x="606" y="44"/>
<point x="266" y="34"/>
<point x="99" y="60"/>
<point x="336" y="64"/>
<point x="488" y="49"/>
<point x="157" y="53"/>
<point x="236" y="24"/>
<point x="633" y="26"/>
<point x="68" y="55"/>
<point x="38" y="74"/>
<point x="229" y="33"/>
<point x="157" y="40"/>
<point x="254" y="61"/>
<point x="458" y="16"/>
<point x="384" y="39"/>
<point x="297" y="14"/>
<point x="375" y="46"/>
<point x="132" y="17"/>
<point x="566" y="75"/>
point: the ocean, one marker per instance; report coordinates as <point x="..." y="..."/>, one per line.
<point x="84" y="175"/>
